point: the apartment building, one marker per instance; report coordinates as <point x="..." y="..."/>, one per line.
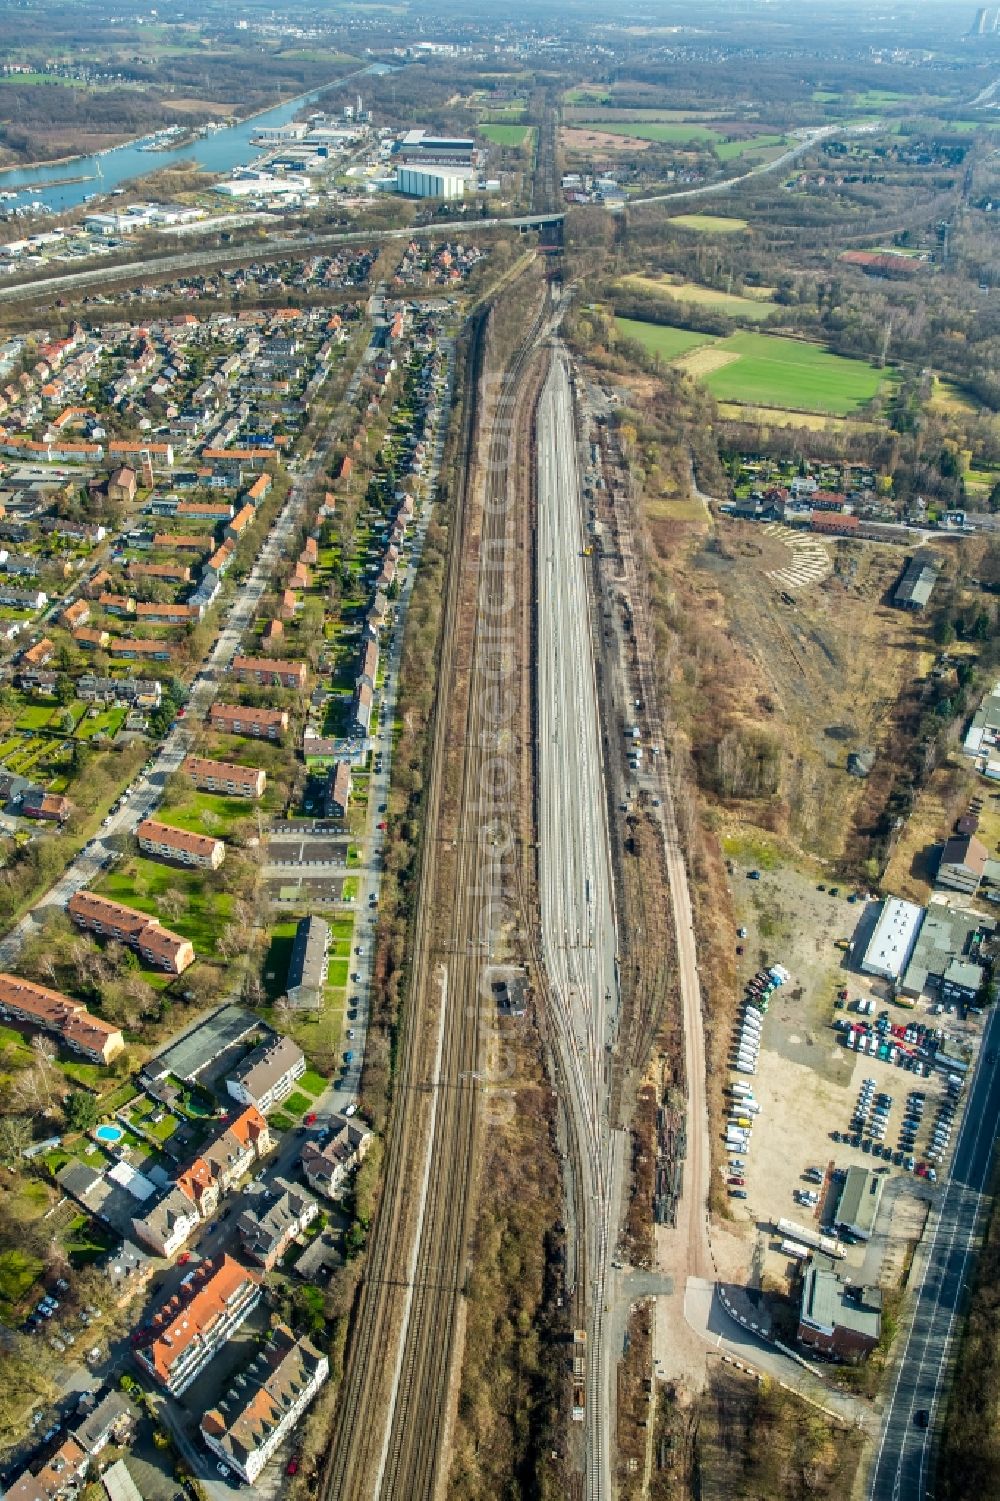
<point x="226" y="777"/>
<point x="267" y="1232"/>
<point x="253" y="724"/>
<point x="194" y="1324"/>
<point x="163" y="842"/>
<point x="268" y="672"/>
<point x="157" y="945"/>
<point x="68" y="1020"/>
<point x="337" y="795"/>
<point x="268" y="1074"/>
<point x="264" y="1403"/>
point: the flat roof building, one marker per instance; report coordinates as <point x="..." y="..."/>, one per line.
<point x="836" y="1319"/>
<point x="891" y="944"/>
<point x="859" y="1201"/>
<point x="948" y="949"/>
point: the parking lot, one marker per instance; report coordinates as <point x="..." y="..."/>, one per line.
<point x="809" y="1085"/>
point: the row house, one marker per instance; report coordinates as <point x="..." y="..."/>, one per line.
<point x="166" y="1224"/>
<point x="145" y="693"/>
<point x="182" y="542"/>
<point x="225" y="777"/>
<point x="157" y="945"/>
<point x="240" y="523"/>
<point x="337" y="795"/>
<point x="135" y="649"/>
<point x="171" y="573"/>
<point x="90" y="638"/>
<point x="23" y="599"/>
<point x="157" y="614"/>
<point x="36" y="656"/>
<point x="57" y="1014"/>
<point x="78" y="613"/>
<point x="164" y="842"/>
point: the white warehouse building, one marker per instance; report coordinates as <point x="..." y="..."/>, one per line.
<point x="427" y="182"/>
<point x="891" y="944"/>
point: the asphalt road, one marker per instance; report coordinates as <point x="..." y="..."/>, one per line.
<point x="809" y="139"/>
<point x="577" y="916"/>
<point x="265" y="251"/>
<point x="903" y="1469"/>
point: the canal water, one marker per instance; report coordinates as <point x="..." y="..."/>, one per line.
<point x="217" y="152"/>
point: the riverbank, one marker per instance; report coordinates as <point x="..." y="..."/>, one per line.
<point x="133" y="141"/>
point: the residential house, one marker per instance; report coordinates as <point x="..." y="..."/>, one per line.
<point x="122" y="485"/>
<point x="267" y="1232"/>
<point x="288" y="603"/>
<point x="226" y="777"/>
<point x="90" y="638"/>
<point x="76" y="614"/>
<point x="268" y="1074"/>
<point x="157" y="945"/>
<point x="166" y="1224"/>
<point x="253" y="724"/>
<point x="264" y="1403"/>
<point x="240" y="523"/>
<point x="23" y="599"/>
<point x="56" y="1480"/>
<point x="166" y="843"/>
<point x="178" y="1342"/>
<point x="327" y="1165"/>
<point x="68" y="1020"/>
<point x="47" y="807"/>
<point x="36" y="656"/>
<point x="168" y="573"/>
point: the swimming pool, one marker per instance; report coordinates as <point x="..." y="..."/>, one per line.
<point x="109" y="1133"/>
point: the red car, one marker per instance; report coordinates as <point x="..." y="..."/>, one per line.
<point x="738" y="1182"/>
<point x="292" y="1467"/>
<point x="184" y="1258"/>
<point x="921" y="1170"/>
<point x="310" y="1119"/>
<point x="381" y="825"/>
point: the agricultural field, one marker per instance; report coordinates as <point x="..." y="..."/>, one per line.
<point x="661" y="338"/>
<point x="766" y="369"/>
<point x="754" y="305"/>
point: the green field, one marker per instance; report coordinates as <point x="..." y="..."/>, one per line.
<point x="709" y="224"/>
<point x="663" y="340"/>
<point x="774" y="371"/>
<point x="728" y="151"/>
<point x="507" y="135"/>
<point x="766" y="369"/>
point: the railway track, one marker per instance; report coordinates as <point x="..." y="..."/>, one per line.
<point x="389" y="1439"/>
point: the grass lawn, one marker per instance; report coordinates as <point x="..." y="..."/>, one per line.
<point x="340" y="928"/>
<point x="312" y="1082"/>
<point x="108" y="722"/>
<point x="349" y="890"/>
<point x="206" y="812"/>
<point x="18" y="1272"/>
<point x="142" y="883"/>
<point x="90" y="1075"/>
<point x="34" y="717"/>
<point x="281" y="1122"/>
<point x="663" y="340"/>
<point x="709" y="224"/>
<point x="338" y="971"/>
<point x="297" y="1103"/>
<point x="728" y="151"/>
<point x="789" y="373"/>
<point x="507" y="135"/>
